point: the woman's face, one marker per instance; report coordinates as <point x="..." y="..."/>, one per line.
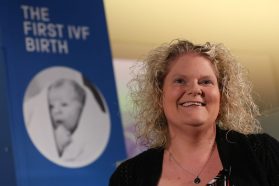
<point x="191" y="96"/>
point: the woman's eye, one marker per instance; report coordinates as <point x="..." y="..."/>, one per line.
<point x="206" y="82"/>
<point x="179" y="81"/>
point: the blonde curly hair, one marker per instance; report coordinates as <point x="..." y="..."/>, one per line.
<point x="238" y="111"/>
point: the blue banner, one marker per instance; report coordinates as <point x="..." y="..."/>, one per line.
<point x="61" y="115"/>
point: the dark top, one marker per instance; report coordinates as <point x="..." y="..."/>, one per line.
<point x="252" y="160"/>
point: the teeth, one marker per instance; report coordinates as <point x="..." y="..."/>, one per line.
<point x="192" y="103"/>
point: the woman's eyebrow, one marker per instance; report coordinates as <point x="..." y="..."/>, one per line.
<point x="207" y="76"/>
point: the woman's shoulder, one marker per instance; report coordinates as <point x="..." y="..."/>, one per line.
<point x="264" y="147"/>
<point x="143" y="159"/>
<point x="259" y="141"/>
<point x="128" y="171"/>
<point x="263" y="141"/>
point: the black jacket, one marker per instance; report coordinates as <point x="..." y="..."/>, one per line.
<point x="253" y="160"/>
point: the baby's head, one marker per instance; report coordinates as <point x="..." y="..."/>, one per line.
<point x="66" y="99"/>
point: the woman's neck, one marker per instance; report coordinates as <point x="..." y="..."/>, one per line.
<point x="192" y="141"/>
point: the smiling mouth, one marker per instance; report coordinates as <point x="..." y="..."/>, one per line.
<point x="192" y="103"/>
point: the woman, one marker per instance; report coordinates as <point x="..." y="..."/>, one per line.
<point x="196" y="113"/>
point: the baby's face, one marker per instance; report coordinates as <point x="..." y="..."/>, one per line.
<point x="65" y="107"/>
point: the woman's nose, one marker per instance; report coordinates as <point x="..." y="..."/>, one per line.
<point x="194" y="89"/>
